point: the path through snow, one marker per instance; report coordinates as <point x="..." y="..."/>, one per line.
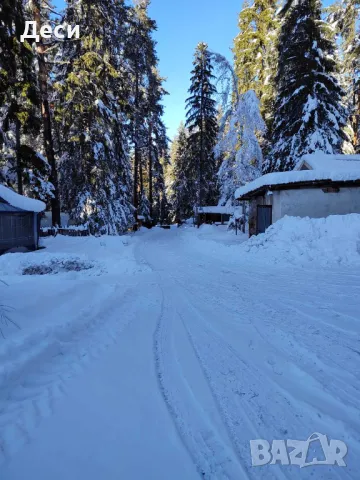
<point x="174" y="364"/>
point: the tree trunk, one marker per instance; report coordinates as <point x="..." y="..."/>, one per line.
<point x="356" y="116"/>
<point x="136" y="140"/>
<point x="201" y="159"/>
<point x="150" y="173"/>
<point x="18" y="158"/>
<point x="46" y="117"/>
<point x="136" y="176"/>
<point x="141" y="180"/>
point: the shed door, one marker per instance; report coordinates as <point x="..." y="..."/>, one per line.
<point x="264" y="218"/>
<point x="16" y="230"/>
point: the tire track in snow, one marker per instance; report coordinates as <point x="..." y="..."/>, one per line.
<point x="211" y="453"/>
<point x="276" y="399"/>
<point x="331" y="391"/>
<point x="298" y="349"/>
<point x="280" y="408"/>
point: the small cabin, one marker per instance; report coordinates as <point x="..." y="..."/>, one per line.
<point x="213" y="215"/>
<point x="321" y="185"/>
<point x="19" y="221"/>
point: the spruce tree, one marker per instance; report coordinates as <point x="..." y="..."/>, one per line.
<point x="140" y="53"/>
<point x="255" y="51"/>
<point x="148" y="132"/>
<point x="91" y="111"/>
<point x="344" y="16"/>
<point x="38" y="12"/>
<point x="201" y="121"/>
<point x="180" y="196"/>
<point x="309" y="113"/>
<point x="21" y="166"/>
<point x="157" y="147"/>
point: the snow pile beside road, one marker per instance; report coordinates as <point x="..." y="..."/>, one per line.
<point x="324" y="241"/>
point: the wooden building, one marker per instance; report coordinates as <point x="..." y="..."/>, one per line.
<point x="19" y="221"/>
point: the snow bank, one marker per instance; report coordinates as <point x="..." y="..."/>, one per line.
<point x="19" y="201"/>
<point x="322" y="241"/>
<point x="330" y="241"/>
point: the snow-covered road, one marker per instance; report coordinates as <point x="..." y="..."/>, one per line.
<point x="173" y="368"/>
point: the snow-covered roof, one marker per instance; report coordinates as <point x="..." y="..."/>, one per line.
<point x="331" y="168"/>
<point x="321" y="161"/>
<point x="19" y="201"/>
<point x="217" y="209"/>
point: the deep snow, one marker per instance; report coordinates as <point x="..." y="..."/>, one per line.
<point x="175" y="350"/>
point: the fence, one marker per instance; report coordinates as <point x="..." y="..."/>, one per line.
<point x="68" y="231"/>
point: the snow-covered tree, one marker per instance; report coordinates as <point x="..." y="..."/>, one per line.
<point x="180" y="195"/>
<point x="147" y="130"/>
<point x="22" y="166"/>
<point x="201" y="121"/>
<point x="309" y="113"/>
<point x="344" y="16"/>
<point x="38" y="11"/>
<point x="255" y="51"/>
<point x="241" y="128"/>
<point x="95" y="163"/>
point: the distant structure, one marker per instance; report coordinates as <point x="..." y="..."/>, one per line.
<point x="213" y="215"/>
<point x="321" y="185"/>
<point x="19" y="221"/>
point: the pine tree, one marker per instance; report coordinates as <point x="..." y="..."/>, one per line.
<point x="180" y="196"/>
<point x="91" y="111"/>
<point x="201" y="121"/>
<point x="344" y="16"/>
<point x="255" y="51"/>
<point x="140" y="52"/>
<point x="309" y="113"/>
<point x="22" y="166"/>
<point x="148" y="131"/>
<point x="38" y="11"/>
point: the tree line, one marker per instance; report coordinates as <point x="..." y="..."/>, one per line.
<point x="81" y="119"/>
<point x="293" y="89"/>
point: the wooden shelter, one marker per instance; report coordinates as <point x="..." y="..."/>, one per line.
<point x="19" y="221"/>
<point x="213" y="215"/>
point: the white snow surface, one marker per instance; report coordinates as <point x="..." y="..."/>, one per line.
<point x="20" y="201"/>
<point x="323" y="241"/>
<point x="180" y="347"/>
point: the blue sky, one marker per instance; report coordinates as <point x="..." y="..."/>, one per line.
<point x="182" y="24"/>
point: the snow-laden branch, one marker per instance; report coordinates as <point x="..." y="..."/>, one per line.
<point x="241" y="127"/>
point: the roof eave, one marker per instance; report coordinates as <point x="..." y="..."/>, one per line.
<point x="296" y="185"/>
